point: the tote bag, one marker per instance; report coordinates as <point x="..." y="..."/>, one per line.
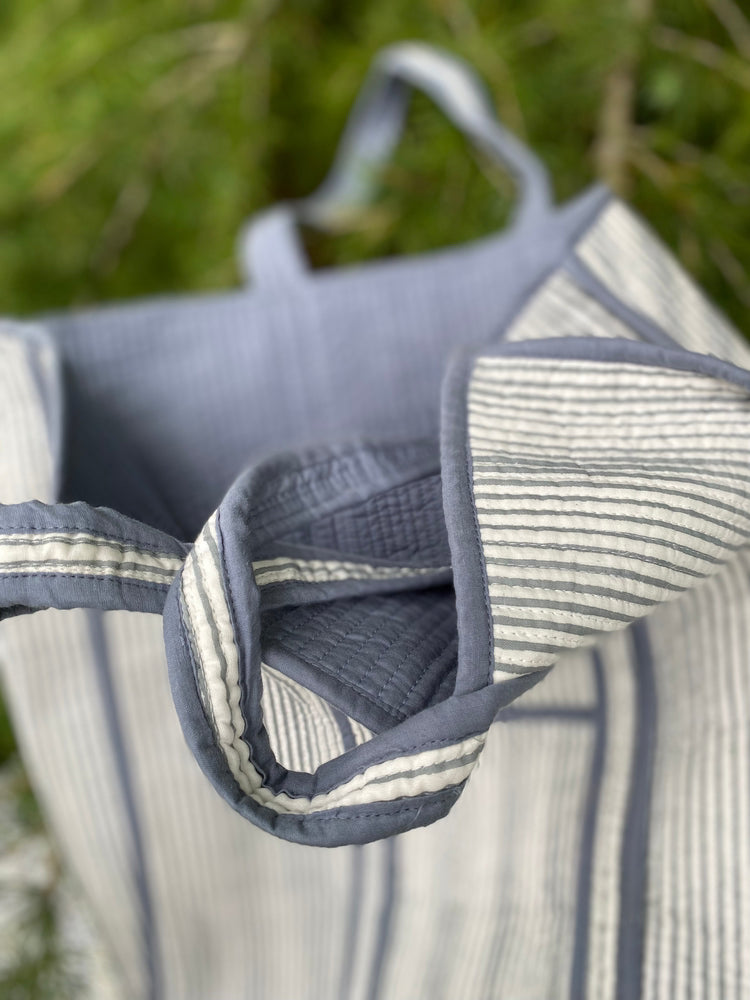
<point x="391" y="621"/>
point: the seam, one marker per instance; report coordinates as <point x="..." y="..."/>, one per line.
<point x="468" y="468"/>
<point x="379" y="625"/>
<point x="364" y="695"/>
<point x="86" y="576"/>
<point x="226" y="583"/>
<point x="421" y="746"/>
<point x="397" y="573"/>
<point x="429" y="614"/>
<point x="294" y="645"/>
<point x="436" y="687"/>
<point x="188" y="642"/>
<point x="448" y="793"/>
<point x="67" y="530"/>
<point x="237" y="736"/>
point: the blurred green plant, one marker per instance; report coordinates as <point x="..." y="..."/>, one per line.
<point x="37" y="958"/>
<point x="135" y="136"/>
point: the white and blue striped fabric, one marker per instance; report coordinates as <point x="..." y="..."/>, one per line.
<point x="391" y="624"/>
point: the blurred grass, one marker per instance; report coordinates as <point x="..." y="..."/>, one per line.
<point x="136" y="135"/>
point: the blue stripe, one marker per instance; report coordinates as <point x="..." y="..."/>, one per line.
<point x="543" y="713"/>
<point x="633" y="874"/>
<point x="354" y="918"/>
<point x="114" y="726"/>
<point x="345" y="728"/>
<point x="593" y="797"/>
<point x="591" y="285"/>
<point x="385" y="924"/>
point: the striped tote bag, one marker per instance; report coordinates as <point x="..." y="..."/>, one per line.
<point x="390" y="631"/>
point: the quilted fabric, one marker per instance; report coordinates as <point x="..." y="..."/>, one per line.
<point x="439" y="564"/>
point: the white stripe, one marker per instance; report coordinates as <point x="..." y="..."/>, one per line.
<point x="77" y="553"/>
<point x="310" y="717"/>
<point x="657" y="543"/>
<point x="223" y="693"/>
<point x="279" y="570"/>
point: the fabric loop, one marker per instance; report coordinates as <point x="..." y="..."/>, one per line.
<point x="270" y="251"/>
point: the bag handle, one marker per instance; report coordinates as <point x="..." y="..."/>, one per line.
<point x="270" y="249"/>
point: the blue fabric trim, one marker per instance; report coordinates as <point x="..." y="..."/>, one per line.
<point x="345" y="728"/>
<point x="236" y="528"/>
<point x="474" y="616"/>
<point x="233" y="525"/>
<point x="28" y="590"/>
<point x="625" y="351"/>
<point x="454" y="719"/>
<point x="81" y="517"/>
<point x="22" y="593"/>
<point x="352" y="825"/>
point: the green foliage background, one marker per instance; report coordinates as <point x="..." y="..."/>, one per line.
<point x="135" y="136"/>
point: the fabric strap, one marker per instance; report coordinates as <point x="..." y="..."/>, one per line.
<point x="270" y="250"/>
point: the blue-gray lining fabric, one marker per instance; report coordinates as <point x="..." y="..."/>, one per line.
<point x="405" y="523"/>
<point x="344" y="336"/>
<point x="387" y="655"/>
